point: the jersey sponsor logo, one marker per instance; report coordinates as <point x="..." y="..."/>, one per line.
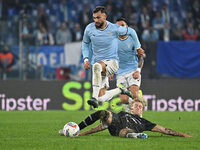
<point x="128" y="44"/>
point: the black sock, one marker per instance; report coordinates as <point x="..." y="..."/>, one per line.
<point x="90" y="120"/>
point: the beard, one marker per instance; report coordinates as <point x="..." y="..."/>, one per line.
<point x="99" y="25"/>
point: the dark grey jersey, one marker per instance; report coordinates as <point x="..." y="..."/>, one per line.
<point x="126" y="120"/>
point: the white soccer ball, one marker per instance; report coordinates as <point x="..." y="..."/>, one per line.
<point x="71" y="129"/>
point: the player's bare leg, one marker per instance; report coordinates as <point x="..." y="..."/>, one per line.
<point x="126" y="100"/>
<point x="134" y="90"/>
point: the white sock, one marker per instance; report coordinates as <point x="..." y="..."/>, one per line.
<point x="96" y="90"/>
<point x="126" y="107"/>
<point x="132" y="135"/>
<point x="130" y="99"/>
<point x="109" y="95"/>
<point x="96" y="79"/>
<point x="137" y="135"/>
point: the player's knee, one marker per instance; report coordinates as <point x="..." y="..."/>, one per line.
<point x="112" y="67"/>
<point x="135" y="94"/>
<point x="134" y="90"/>
<point x="124" y="99"/>
<point x="124" y="132"/>
<point x="102" y="92"/>
<point x="97" y="67"/>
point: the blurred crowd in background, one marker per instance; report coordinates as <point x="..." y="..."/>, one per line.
<point x="57" y="22"/>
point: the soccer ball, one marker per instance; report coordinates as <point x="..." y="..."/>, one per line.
<point x="71" y="129"/>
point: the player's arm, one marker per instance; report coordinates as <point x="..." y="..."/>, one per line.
<point x="85" y="52"/>
<point x="98" y="128"/>
<point x="86" y="63"/>
<point x="136" y="74"/>
<point x="141" y="56"/>
<point x="140" y="53"/>
<point x="168" y="131"/>
<point x="86" y="48"/>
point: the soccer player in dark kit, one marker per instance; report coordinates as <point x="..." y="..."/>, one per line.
<point x="124" y="124"/>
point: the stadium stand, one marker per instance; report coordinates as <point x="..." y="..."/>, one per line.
<point x="166" y="17"/>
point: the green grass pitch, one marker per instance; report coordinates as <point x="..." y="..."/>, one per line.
<point x="24" y="130"/>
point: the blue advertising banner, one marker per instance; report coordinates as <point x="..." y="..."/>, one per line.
<point x="50" y="56"/>
<point x="53" y="56"/>
<point x="179" y="58"/>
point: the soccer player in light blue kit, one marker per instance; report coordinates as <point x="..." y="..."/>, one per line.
<point x="130" y="64"/>
<point x="131" y="59"/>
<point x="102" y="35"/>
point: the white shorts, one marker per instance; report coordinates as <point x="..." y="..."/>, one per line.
<point x="111" y="66"/>
<point x="128" y="80"/>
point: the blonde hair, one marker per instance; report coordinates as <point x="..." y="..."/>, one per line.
<point x="139" y="99"/>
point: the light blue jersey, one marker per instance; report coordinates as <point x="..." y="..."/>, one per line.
<point x="128" y="60"/>
<point x="103" y="42"/>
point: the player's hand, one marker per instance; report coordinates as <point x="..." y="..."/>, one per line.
<point x="111" y="77"/>
<point x="141" y="53"/>
<point x="87" y="65"/>
<point x="188" y="136"/>
<point x="136" y="75"/>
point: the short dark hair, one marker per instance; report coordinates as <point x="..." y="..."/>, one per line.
<point x="122" y="19"/>
<point x="100" y="8"/>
